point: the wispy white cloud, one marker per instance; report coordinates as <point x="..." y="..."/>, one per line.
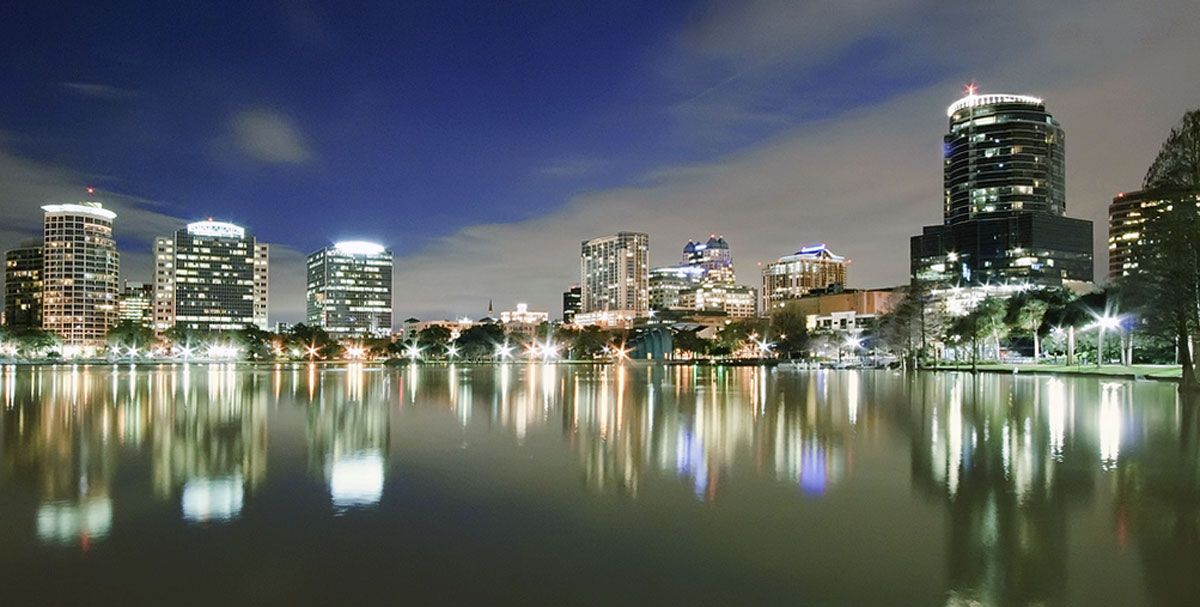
<point x="96" y="90"/>
<point x="270" y="137"/>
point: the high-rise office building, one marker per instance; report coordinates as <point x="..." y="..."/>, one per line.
<point x="350" y="289"/>
<point x="703" y="265"/>
<point x="210" y="276"/>
<point x="572" y="300"/>
<point x="1127" y="214"/>
<point x="136" y="304"/>
<point x="80" y="273"/>
<point x="23" y="286"/>
<point x="714" y="256"/>
<point x="1004" y="200"/>
<point x="614" y="275"/>
<point x="793" y="276"/>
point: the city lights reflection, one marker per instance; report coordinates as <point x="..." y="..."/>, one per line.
<point x="997" y="464"/>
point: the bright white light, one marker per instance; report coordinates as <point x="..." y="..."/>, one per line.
<point x="218" y="499"/>
<point x="1110" y="322"/>
<point x="357" y="479"/>
<point x="451" y="350"/>
<point x="359" y="247"/>
<point x="504" y="351"/>
<point x="973" y="100"/>
<point x="80" y="209"/>
<point x="413" y="353"/>
<point x="64" y="522"/>
<point x="355" y="352"/>
<point x="217" y="229"/>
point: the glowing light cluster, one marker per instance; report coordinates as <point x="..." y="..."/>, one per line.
<point x="216" y="229"/>
<point x="358" y="247"/>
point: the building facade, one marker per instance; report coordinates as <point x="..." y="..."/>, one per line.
<point x="211" y="276"/>
<point x="614" y="275"/>
<point x="735" y="301"/>
<point x="80" y="273"/>
<point x="1127" y="215"/>
<point x="1004" y="200"/>
<point x="350" y="289"/>
<point x="23" y="287"/>
<point x="810" y="268"/>
<point x="136" y="304"/>
<point x="714" y="256"/>
<point x="572" y="302"/>
<point x="667" y="285"/>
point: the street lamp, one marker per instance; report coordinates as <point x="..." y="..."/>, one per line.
<point x="413" y="353"/>
<point x="503" y="351"/>
<point x="1105" y="322"/>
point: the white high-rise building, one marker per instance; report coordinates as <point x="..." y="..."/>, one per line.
<point x="614" y="273"/>
<point x="80" y="273"/>
<point x="210" y="276"/>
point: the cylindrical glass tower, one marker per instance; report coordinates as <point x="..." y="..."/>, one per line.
<point x="1004" y="156"/>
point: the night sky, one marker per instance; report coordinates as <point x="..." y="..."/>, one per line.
<point x="482" y="141"/>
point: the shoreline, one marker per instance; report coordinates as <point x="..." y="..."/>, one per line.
<point x="1170" y="373"/>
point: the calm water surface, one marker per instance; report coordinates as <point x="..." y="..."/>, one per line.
<point x="592" y="485"/>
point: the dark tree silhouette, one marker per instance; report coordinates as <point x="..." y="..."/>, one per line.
<point x="1167" y="279"/>
<point x="1178" y="162"/>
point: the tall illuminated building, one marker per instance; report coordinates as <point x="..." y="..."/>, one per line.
<point x="704" y="281"/>
<point x="614" y="274"/>
<point x="23" y="286"/>
<point x="350" y="289"/>
<point x="1127" y="215"/>
<point x="80" y="273"/>
<point x="1004" y="200"/>
<point x="210" y="276"/>
<point x="714" y="256"/>
<point x="794" y="276"/>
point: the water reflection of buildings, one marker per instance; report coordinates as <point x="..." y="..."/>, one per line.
<point x="65" y="428"/>
<point x="348" y="436"/>
<point x="209" y="440"/>
<point x="705" y="425"/>
<point x="1011" y="458"/>
<point x="58" y="444"/>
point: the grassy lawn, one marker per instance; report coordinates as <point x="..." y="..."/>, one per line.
<point x="1164" y="371"/>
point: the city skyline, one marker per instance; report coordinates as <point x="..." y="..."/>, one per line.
<point x="786" y="158"/>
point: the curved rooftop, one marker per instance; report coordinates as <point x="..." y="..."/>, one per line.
<point x="83" y="208"/>
<point x="973" y="100"/>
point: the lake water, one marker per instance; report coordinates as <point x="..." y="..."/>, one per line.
<point x="565" y="484"/>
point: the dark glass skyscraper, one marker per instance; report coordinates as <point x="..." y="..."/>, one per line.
<point x="1004" y="186"/>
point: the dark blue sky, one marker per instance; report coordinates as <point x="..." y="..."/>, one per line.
<point x="483" y="141"/>
<point x="417" y="118"/>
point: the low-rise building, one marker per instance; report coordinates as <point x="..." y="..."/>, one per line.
<point x="794" y="276"/>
